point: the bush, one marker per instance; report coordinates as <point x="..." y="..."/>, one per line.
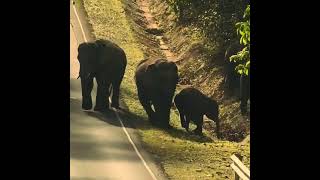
<point x="243" y="56"/>
<point x="216" y="18"/>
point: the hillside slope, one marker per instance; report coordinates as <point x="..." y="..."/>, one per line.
<point x="182" y="155"/>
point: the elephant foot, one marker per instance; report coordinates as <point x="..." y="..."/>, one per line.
<point x="86" y="105"/>
<point x="116" y="106"/>
<point x="152" y="122"/>
<point x="165" y="126"/>
<point x="168" y="126"/>
<point x="86" y="108"/>
<point x="185" y="125"/>
<point x="198" y="132"/>
<point x="152" y="119"/>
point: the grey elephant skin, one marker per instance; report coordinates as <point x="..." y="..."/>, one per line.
<point x="192" y="105"/>
<point x="106" y="62"/>
<point x="156" y="81"/>
<point x="233" y="80"/>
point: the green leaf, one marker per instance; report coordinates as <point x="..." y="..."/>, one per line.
<point x="238" y="24"/>
<point x="243" y="56"/>
<point x="246" y="72"/>
<point x="245" y="41"/>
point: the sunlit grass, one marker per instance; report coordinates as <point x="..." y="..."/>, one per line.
<point x="181" y="154"/>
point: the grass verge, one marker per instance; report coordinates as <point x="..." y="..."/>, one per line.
<point x="181" y="155"/>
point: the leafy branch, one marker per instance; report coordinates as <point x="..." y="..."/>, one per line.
<point x="243" y="56"/>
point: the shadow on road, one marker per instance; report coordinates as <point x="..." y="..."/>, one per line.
<point x="130" y="120"/>
<point x="89" y="149"/>
<point x="89" y="133"/>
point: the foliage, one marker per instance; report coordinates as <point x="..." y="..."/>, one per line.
<point x="243" y="56"/>
<point x="216" y="18"/>
<point x="179" y="152"/>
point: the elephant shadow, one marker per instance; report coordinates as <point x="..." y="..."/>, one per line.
<point x="189" y="136"/>
<point x="138" y="122"/>
<point x="134" y="121"/>
<point x="107" y="117"/>
<point x="128" y="119"/>
<point x="131" y="120"/>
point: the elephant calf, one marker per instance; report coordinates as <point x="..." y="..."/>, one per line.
<point x="156" y="81"/>
<point x="106" y="62"/>
<point x="192" y="105"/>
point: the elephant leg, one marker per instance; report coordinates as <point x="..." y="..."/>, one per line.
<point x="199" y="122"/>
<point x="86" y="87"/>
<point x="188" y="119"/>
<point x="102" y="98"/>
<point x="167" y="108"/>
<point x="244" y="94"/>
<point x="166" y="114"/>
<point x="145" y="102"/>
<point x="182" y="119"/>
<point x="115" y="94"/>
<point x="162" y="108"/>
<point x="181" y="114"/>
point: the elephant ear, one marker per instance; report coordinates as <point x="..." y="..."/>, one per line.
<point x="81" y="54"/>
<point x="86" y="52"/>
<point x="151" y="68"/>
<point x="173" y="65"/>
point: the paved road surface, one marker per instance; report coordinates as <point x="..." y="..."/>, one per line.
<point x="99" y="146"/>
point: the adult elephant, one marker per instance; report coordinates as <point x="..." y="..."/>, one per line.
<point x="106" y="62"/>
<point x="244" y="93"/>
<point x="232" y="78"/>
<point x="156" y="81"/>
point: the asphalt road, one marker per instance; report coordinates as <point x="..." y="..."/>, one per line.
<point x="101" y="147"/>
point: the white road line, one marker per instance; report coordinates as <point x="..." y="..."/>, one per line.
<point x="134" y="146"/>
<point x="74" y="33"/>
<point x="84" y="36"/>
<point x="118" y="117"/>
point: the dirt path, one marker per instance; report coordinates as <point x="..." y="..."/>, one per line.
<point x="152" y="26"/>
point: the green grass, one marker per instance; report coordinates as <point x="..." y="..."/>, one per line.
<point x="182" y="155"/>
<point x="78" y="3"/>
